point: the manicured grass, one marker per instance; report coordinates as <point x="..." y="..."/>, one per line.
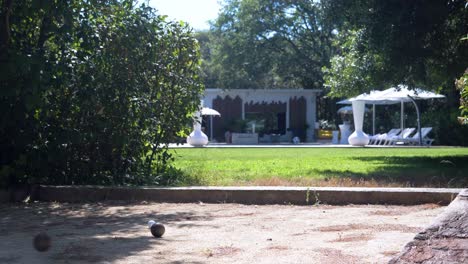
<point x="435" y="167"/>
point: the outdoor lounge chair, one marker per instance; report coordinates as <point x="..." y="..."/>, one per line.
<point x="414" y="140"/>
<point x="375" y="139"/>
<point x="381" y="140"/>
<point x="403" y="136"/>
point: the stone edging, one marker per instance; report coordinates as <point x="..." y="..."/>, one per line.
<point x="249" y="195"/>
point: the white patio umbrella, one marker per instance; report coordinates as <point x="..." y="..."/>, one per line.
<point x="210" y="112"/>
<point x="345" y="110"/>
<point x="401" y="94"/>
<point x="348" y="110"/>
<point x="365" y="97"/>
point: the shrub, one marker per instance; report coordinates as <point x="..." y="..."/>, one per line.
<point x="92" y="92"/>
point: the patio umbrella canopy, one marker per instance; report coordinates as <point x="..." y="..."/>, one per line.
<point x="366" y="96"/>
<point x="210" y="112"/>
<point x="348" y="110"/>
<point x="345" y="110"/>
<point x="401" y="94"/>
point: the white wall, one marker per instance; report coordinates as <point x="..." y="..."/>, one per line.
<point x="270" y="95"/>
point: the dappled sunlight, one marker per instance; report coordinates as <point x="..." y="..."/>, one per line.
<point x="117" y="232"/>
<point x="119" y="229"/>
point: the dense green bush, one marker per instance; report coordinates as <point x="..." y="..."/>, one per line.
<point x="447" y="130"/>
<point x="462" y="86"/>
<point x="91" y="91"/>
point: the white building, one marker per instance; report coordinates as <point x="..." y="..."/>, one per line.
<point x="268" y="111"/>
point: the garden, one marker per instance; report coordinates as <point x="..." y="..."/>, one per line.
<point x="94" y="94"/>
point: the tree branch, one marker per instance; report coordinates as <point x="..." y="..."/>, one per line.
<point x="5" y="26"/>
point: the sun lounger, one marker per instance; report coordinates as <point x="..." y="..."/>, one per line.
<point x="403" y="135"/>
<point x="373" y="139"/>
<point x="414" y="140"/>
<point x="380" y="139"/>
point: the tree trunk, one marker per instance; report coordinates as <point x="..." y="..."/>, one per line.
<point x="5" y="13"/>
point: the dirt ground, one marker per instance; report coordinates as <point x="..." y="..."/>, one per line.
<point x="209" y="233"/>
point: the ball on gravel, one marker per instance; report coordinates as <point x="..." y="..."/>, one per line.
<point x="157" y="229"/>
<point x="150" y="223"/>
<point x="42" y="242"/>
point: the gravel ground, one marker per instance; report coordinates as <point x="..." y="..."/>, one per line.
<point x="114" y="232"/>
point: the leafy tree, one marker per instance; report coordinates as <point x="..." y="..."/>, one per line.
<point x="353" y="71"/>
<point x="92" y="91"/>
<point x="260" y="43"/>
<point x="209" y="70"/>
<point x="412" y="42"/>
<point x="462" y="86"/>
<point x="385" y="43"/>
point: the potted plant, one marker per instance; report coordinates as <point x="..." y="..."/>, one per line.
<point x="326" y="129"/>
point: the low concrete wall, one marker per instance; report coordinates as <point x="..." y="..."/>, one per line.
<point x="19" y="193"/>
<point x="250" y="195"/>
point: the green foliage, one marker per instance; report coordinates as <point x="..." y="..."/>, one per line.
<point x="274" y="44"/>
<point x="92" y="91"/>
<point x="351" y="71"/>
<point x="209" y="73"/>
<point x="385" y="43"/>
<point x="412" y="42"/>
<point x="462" y="86"/>
<point x="447" y="130"/>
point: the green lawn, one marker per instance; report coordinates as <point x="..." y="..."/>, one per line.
<point x="436" y="167"/>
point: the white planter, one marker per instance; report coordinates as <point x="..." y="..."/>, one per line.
<point x="345" y="130"/>
<point x="197" y="138"/>
<point x="358" y="137"/>
<point x="335" y="134"/>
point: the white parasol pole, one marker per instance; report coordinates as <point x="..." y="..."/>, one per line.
<point x="419" y="120"/>
<point x="373" y="119"/>
<point x="402" y="113"/>
<point x="211" y="128"/>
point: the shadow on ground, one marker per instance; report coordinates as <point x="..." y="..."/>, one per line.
<point x="449" y="172"/>
<point x="77" y="230"/>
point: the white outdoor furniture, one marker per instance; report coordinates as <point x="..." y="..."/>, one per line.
<point x="197" y="138"/>
<point x="210" y="112"/>
<point x="358" y="137"/>
<point x="335" y="134"/>
<point x="414" y="140"/>
<point x="345" y="131"/>
<point x="393" y="133"/>
<point x="399" y="94"/>
<point x="287" y="137"/>
<point x="403" y="136"/>
<point x="375" y="139"/>
<point x="244" y="138"/>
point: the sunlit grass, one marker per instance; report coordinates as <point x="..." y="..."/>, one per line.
<point x="319" y="166"/>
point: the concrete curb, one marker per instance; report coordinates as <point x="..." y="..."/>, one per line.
<point x="249" y="195"/>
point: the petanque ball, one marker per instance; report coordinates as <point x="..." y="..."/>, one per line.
<point x="150" y="223"/>
<point x="158" y="229"/>
<point x="42" y="242"/>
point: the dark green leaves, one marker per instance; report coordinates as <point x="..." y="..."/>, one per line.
<point x="92" y="92"/>
<point x="273" y="44"/>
